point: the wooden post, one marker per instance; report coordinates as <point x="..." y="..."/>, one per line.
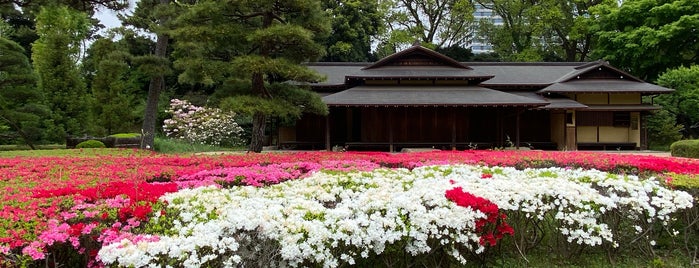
<point x="390" y="129"/>
<point x="453" y="128"/>
<point x="327" y="133"/>
<point x="519" y="111"/>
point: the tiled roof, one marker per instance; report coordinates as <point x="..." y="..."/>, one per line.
<point x="555" y="103"/>
<point x="605" y="86"/>
<point x="427" y="96"/>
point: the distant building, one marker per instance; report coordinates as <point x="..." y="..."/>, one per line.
<point x="479" y="44"/>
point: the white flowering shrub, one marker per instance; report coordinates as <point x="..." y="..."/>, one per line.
<point x="338" y="219"/>
<point x="202" y="125"/>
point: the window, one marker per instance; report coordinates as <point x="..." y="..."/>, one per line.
<point x="570" y="118"/>
<point x="622" y="119"/>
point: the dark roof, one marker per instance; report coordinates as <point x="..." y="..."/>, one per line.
<point x="418" y="51"/>
<point x="335" y="72"/>
<point x="604" y="86"/>
<point x="622" y="107"/>
<point x="537" y="74"/>
<point x="427" y="96"/>
<point x="555" y="103"/>
<point x="600" y="65"/>
<point x="418" y="72"/>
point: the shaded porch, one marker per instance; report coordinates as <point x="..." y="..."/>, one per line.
<point x="445" y="128"/>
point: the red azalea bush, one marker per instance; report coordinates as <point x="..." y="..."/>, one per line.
<point x="493" y="227"/>
<point x="83" y="200"/>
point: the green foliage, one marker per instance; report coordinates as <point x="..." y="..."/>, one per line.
<point x="546" y="30"/>
<point x="21" y="110"/>
<point x="175" y="146"/>
<point x="683" y="104"/>
<point x="685" y="148"/>
<point x="354" y="24"/>
<point x="456" y="52"/>
<point x="125" y="135"/>
<point x="253" y="43"/>
<point x="61" y="32"/>
<point x="152" y="65"/>
<point x="90" y="144"/>
<point x="438" y="23"/>
<point x="112" y="89"/>
<point x="514" y="39"/>
<point x="663" y="130"/>
<point x="646" y="37"/>
<point x="685" y="181"/>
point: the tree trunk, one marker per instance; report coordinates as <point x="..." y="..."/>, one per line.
<point x="21" y="133"/>
<point x="157" y="84"/>
<point x="258" y="88"/>
<point x="258" y="132"/>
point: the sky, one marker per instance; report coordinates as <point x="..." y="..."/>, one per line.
<point x="109" y="17"/>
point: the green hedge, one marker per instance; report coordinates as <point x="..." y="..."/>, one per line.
<point x="91" y="144"/>
<point x="685" y="148"/>
<point x="125" y="135"/>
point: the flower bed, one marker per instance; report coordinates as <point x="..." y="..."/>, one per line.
<point x="348" y="208"/>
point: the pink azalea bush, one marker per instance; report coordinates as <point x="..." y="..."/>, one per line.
<point x="51" y="204"/>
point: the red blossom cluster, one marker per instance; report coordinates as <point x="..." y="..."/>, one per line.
<point x="493" y="227"/>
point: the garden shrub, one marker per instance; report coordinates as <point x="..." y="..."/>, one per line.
<point x="121" y="140"/>
<point x="685" y="148"/>
<point x="125" y="135"/>
<point x="202" y="125"/>
<point x="90" y="144"/>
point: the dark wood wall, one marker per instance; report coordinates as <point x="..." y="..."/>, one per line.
<point x="425" y="124"/>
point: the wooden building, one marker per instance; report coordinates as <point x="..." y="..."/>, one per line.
<point x="420" y="98"/>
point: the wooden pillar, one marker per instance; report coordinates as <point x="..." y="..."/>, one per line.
<point x="327" y="133"/>
<point x="390" y="129"/>
<point x="519" y="111"/>
<point x="499" y="129"/>
<point x="453" y="128"/>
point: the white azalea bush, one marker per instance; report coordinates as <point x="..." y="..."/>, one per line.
<point x="202" y="125"/>
<point x="335" y="218"/>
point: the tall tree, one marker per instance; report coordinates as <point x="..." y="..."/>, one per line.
<point x="536" y="30"/>
<point x="20" y="26"/>
<point x="516" y="38"/>
<point x="81" y="5"/>
<point x="112" y="88"/>
<point x="435" y="23"/>
<point x="355" y="24"/>
<point x="20" y="100"/>
<point x="647" y="37"/>
<point x="153" y="16"/>
<point x="565" y="28"/>
<point x="683" y="104"/>
<point x="21" y="15"/>
<point x="254" y="47"/>
<point x="55" y="55"/>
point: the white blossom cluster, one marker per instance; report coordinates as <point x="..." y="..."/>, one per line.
<point x="201" y="125"/>
<point x="324" y="219"/>
<point x="334" y="219"/>
<point x="577" y="197"/>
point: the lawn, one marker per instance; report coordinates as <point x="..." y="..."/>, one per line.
<point x="448" y="209"/>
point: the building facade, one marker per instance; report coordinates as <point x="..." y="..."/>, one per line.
<point x="418" y="98"/>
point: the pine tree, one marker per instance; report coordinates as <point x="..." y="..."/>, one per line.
<point x="255" y="47"/>
<point x="61" y="32"/>
<point x="20" y="100"/>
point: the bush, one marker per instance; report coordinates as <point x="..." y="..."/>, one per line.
<point x="123" y="140"/>
<point x="201" y="125"/>
<point x="90" y="144"/>
<point x="685" y="148"/>
<point x="125" y="135"/>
